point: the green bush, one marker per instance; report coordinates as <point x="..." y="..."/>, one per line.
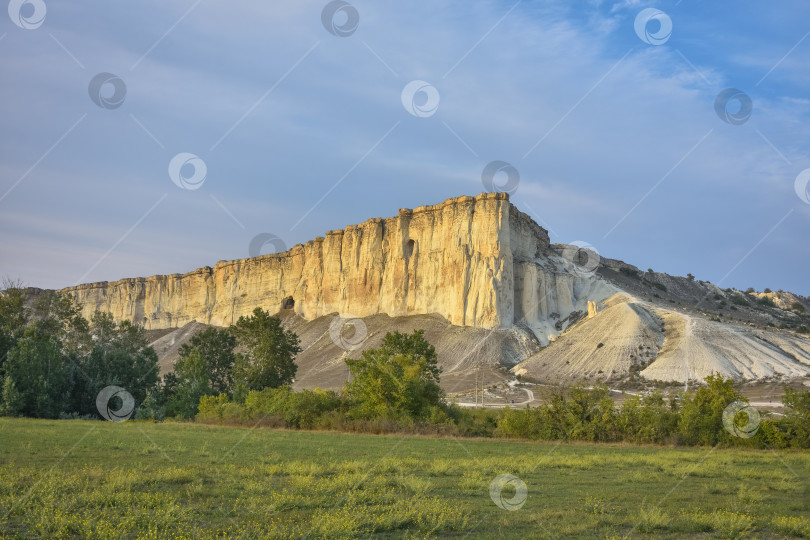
<point x="574" y="413"/>
<point x="701" y="413"/>
<point x="647" y="419"/>
<point x="304" y="409"/>
<point x="220" y="409"/>
<point x="796" y="422"/>
<point x="520" y="424"/>
<point x="308" y="409"/>
<point x="739" y="300"/>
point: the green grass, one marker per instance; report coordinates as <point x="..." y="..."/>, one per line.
<point x="62" y="479"/>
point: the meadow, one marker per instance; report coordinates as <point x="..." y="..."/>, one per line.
<point x="92" y="479"/>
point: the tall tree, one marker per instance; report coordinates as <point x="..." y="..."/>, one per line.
<point x="119" y="357"/>
<point x="216" y="348"/>
<point x="13" y="319"/>
<point x="399" y="379"/>
<point x="269" y="353"/>
<point x="59" y="315"/>
<point x="416" y="345"/>
<point x="192" y="383"/>
<point x="37" y="377"/>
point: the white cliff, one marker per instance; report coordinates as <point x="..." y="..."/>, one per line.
<point x="475" y="261"/>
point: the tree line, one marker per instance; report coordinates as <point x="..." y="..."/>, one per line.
<point x="54" y="363"/>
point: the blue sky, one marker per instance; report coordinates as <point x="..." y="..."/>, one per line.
<point x="616" y="140"/>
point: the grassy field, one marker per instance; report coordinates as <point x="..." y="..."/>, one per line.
<point x="61" y="479"/>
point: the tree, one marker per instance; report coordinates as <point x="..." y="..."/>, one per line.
<point x="119" y="357"/>
<point x="205" y="368"/>
<point x="192" y="383"/>
<point x="13" y="320"/>
<point x="399" y="379"/>
<point x="37" y="377"/>
<point x="216" y="349"/>
<point x="690" y="277"/>
<point x="577" y="413"/>
<point x="413" y="344"/>
<point x="269" y="357"/>
<point x="59" y="315"/>
<point x="797" y="417"/>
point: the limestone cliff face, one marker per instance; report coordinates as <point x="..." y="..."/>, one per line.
<point x="458" y="259"/>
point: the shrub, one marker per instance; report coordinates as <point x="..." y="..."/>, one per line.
<point x="522" y="424"/>
<point x="304" y="409"/>
<point x="796" y="421"/>
<point x="647" y="420"/>
<point x="701" y="414"/>
<point x="739" y="300"/>
<point x="629" y="272"/>
<point x="221" y="410"/>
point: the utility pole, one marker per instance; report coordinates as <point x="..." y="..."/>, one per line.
<point x="483" y="406"/>
<point x="476" y="389"/>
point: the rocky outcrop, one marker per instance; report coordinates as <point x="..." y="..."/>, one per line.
<point x="593" y="309"/>
<point x="476" y="261"/>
